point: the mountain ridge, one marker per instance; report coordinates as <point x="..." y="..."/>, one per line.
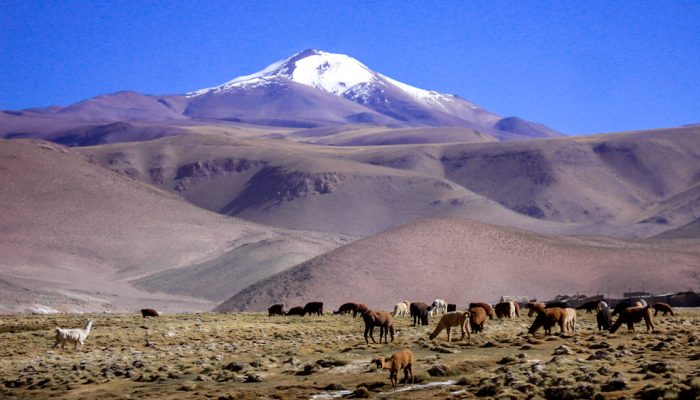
<point x="309" y="89"/>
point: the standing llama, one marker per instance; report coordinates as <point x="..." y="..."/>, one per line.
<point x="75" y="336"/>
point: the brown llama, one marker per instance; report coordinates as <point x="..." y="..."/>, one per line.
<point x="486" y="306"/>
<point x="383" y="320"/>
<point x="447" y="321"/>
<point x="477" y="318"/>
<point x="634" y="315"/>
<point x="547" y="318"/>
<point x="664" y="308"/>
<point x="401" y="360"/>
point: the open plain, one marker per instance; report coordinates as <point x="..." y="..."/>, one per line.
<point x="251" y="355"/>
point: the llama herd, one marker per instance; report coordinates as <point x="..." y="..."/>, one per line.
<point x="469" y="321"/>
<point x="547" y="316"/>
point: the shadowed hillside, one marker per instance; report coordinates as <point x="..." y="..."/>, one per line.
<point x="74" y="234"/>
<point x="621" y="178"/>
<point x="625" y="185"/>
<point x="298" y="186"/>
<point x="462" y="261"/>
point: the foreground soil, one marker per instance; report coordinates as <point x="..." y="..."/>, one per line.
<point x="251" y="355"/>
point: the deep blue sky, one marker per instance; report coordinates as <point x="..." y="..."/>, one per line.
<point x="579" y="67"/>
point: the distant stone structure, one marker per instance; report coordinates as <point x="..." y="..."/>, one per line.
<point x="680" y="299"/>
<point x="520" y="300"/>
<point x="636" y="294"/>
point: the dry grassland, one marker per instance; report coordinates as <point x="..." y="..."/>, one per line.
<point x="251" y="355"/>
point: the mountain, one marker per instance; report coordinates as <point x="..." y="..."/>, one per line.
<point x="308" y="90"/>
<point x="633" y="178"/>
<point x="296" y="185"/>
<point x="280" y="102"/>
<point x="363" y="190"/>
<point x="346" y="78"/>
<point x="464" y="261"/>
<point x="521" y="127"/>
<point x="79" y="237"/>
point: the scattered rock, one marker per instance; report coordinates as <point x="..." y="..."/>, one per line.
<point x="292" y="361"/>
<point x="657" y="367"/>
<point x="360" y="393"/>
<point x="334" y="386"/>
<point x="308" y="369"/>
<point x="507" y="360"/>
<point x="661" y="346"/>
<point x="614" y="385"/>
<point x="374" y="386"/>
<point x="563" y="349"/>
<point x="527" y="388"/>
<point x="439" y="370"/>
<point x="442" y="349"/>
<point x="80" y="366"/>
<point x="600" y="355"/>
<point x="463" y="381"/>
<point x="489" y="390"/>
<point x="234" y="367"/>
<point x="537" y="367"/>
<point x="330" y="362"/>
<point x="253" y="378"/>
<point x="581" y="391"/>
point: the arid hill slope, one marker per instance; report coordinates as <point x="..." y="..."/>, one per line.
<point x="298" y="186"/>
<point x="626" y="185"/>
<point x="624" y="178"/>
<point x="690" y="230"/>
<point x="462" y="261"/>
<point x="78" y="233"/>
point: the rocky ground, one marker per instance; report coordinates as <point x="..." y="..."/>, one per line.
<point x="251" y="355"/>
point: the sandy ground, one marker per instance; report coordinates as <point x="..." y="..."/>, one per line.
<point x="251" y="355"/>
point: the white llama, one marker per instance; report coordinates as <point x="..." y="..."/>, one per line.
<point x="76" y="336"/>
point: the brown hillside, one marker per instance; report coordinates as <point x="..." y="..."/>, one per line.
<point x="462" y="261"/>
<point x="620" y="178"/>
<point x="298" y="186"/>
<point x="83" y="232"/>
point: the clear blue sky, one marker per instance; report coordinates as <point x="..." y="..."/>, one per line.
<point x="579" y="66"/>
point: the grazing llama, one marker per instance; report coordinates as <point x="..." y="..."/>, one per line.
<point x="548" y="318"/>
<point x="402" y="309"/>
<point x="634" y="315"/>
<point x="401" y="360"/>
<point x="75" y="336"/>
<point x="457" y="319"/>
<point x="663" y="307"/>
<point x="439" y="306"/>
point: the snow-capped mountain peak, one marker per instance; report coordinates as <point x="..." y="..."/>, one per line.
<point x="333" y="73"/>
<point x="343" y="76"/>
<point x="330" y="72"/>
